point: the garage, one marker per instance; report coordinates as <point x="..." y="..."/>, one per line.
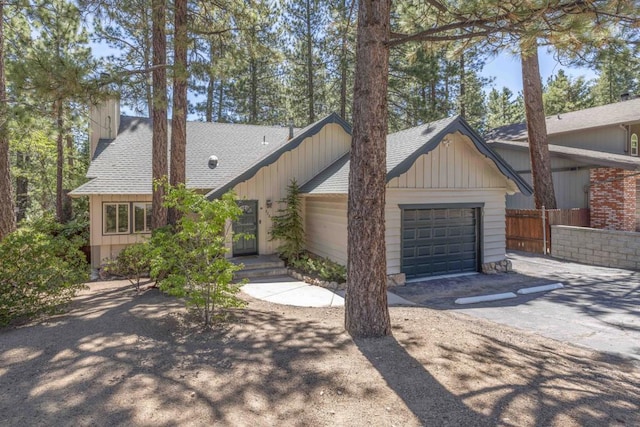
<point x="440" y="240"/>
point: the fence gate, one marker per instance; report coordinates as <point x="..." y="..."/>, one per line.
<point x="525" y="230"/>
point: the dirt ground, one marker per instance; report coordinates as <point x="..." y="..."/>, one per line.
<point x="118" y="358"/>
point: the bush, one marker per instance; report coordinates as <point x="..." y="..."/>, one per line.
<point x="41" y="270"/>
<point x="133" y="262"/>
<point x="189" y="261"/>
<point x="324" y="268"/>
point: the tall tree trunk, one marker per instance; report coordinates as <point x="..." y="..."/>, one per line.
<point x="366" y="311"/>
<point x="7" y="206"/>
<point x="344" y="64"/>
<point x="211" y="85"/>
<point x="159" y="112"/>
<point x="22" y="187"/>
<point x="220" y="99"/>
<point x="544" y="194"/>
<point x="310" y="92"/>
<point x="59" y="160"/>
<point x="179" y="115"/>
<point x="463" y="89"/>
<point x="253" y="109"/>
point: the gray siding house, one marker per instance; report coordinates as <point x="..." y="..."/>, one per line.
<point x="445" y="188"/>
<point x="594" y="160"/>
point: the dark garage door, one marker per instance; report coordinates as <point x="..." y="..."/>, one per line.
<point x="439" y="241"/>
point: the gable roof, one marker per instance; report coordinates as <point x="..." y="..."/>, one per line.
<point x="587" y="157"/>
<point x="619" y="113"/>
<point x="271" y="157"/>
<point x="123" y="165"/>
<point x="403" y="149"/>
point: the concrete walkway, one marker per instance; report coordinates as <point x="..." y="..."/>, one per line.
<point x="289" y="291"/>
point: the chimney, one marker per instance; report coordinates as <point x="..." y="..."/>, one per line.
<point x="290" y="129"/>
<point x="104" y="121"/>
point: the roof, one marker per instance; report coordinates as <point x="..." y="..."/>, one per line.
<point x="403" y="149"/>
<point x="589" y="157"/>
<point x="619" y="113"/>
<point x="270" y="157"/>
<point x="123" y="165"/>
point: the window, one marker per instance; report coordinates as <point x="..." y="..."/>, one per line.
<point x="142" y="217"/>
<point x="115" y="217"/>
<point x="634" y="144"/>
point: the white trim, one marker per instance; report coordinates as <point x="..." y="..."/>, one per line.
<point x="104" y="218"/>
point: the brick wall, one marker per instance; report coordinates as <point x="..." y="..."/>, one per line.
<point x="612" y="199"/>
<point x="608" y="248"/>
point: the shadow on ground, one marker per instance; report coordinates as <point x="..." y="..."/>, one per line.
<point x="116" y="358"/>
<point x="533" y="384"/>
<point x="122" y="358"/>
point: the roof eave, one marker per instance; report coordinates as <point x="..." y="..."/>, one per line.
<point x="275" y="155"/>
<point x="458" y="124"/>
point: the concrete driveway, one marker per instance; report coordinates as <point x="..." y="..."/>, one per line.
<point x="598" y="307"/>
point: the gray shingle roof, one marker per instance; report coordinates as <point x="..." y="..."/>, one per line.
<point x="123" y="165"/>
<point x="403" y="149"/>
<point x="624" y="112"/>
<point x="589" y="157"/>
<point x="267" y="158"/>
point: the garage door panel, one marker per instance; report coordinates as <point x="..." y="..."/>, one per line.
<point x="439" y="241"/>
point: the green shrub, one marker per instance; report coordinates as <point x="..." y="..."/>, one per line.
<point x="189" y="261"/>
<point x="133" y="262"/>
<point x="324" y="268"/>
<point x="41" y="270"/>
<point x="288" y="225"/>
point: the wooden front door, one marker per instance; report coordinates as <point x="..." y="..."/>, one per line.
<point x="246" y="224"/>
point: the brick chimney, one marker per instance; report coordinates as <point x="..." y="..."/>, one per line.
<point x="104" y="121"/>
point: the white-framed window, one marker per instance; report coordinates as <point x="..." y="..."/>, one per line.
<point x="142" y="217"/>
<point x="115" y="218"/>
<point x="633" y="146"/>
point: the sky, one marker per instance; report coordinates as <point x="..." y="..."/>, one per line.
<point x="505" y="68"/>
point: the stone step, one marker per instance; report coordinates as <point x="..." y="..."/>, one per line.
<point x="256" y="273"/>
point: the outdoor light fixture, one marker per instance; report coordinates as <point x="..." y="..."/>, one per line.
<point x="213" y="162"/>
<point x="269" y="203"/>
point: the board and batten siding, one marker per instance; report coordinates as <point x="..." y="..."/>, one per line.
<point x="104" y="247"/>
<point x="326" y="227"/>
<point x="312" y="156"/>
<point x="570" y="180"/>
<point x="451" y="174"/>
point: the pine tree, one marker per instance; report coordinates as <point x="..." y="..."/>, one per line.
<point x="306" y="72"/>
<point x="502" y="109"/>
<point x="563" y="94"/>
<point x="618" y="69"/>
<point x="54" y="69"/>
<point x="288" y="225"/>
<point x="125" y="27"/>
<point x="7" y="215"/>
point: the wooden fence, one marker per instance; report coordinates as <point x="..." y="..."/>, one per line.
<point x="525" y="230"/>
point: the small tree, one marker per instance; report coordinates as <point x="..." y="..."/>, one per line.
<point x="288" y="225"/>
<point x="191" y="256"/>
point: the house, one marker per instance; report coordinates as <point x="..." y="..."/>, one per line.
<point x="445" y="199"/>
<point x="594" y="161"/>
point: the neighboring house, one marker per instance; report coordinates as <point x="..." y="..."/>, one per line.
<point x="445" y="198"/>
<point x="594" y="160"/>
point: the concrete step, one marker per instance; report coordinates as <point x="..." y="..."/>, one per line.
<point x="256" y="273"/>
<point x="262" y="264"/>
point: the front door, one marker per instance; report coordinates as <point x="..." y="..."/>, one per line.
<point x="247" y="224"/>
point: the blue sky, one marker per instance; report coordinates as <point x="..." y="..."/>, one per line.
<point x="505" y="68"/>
